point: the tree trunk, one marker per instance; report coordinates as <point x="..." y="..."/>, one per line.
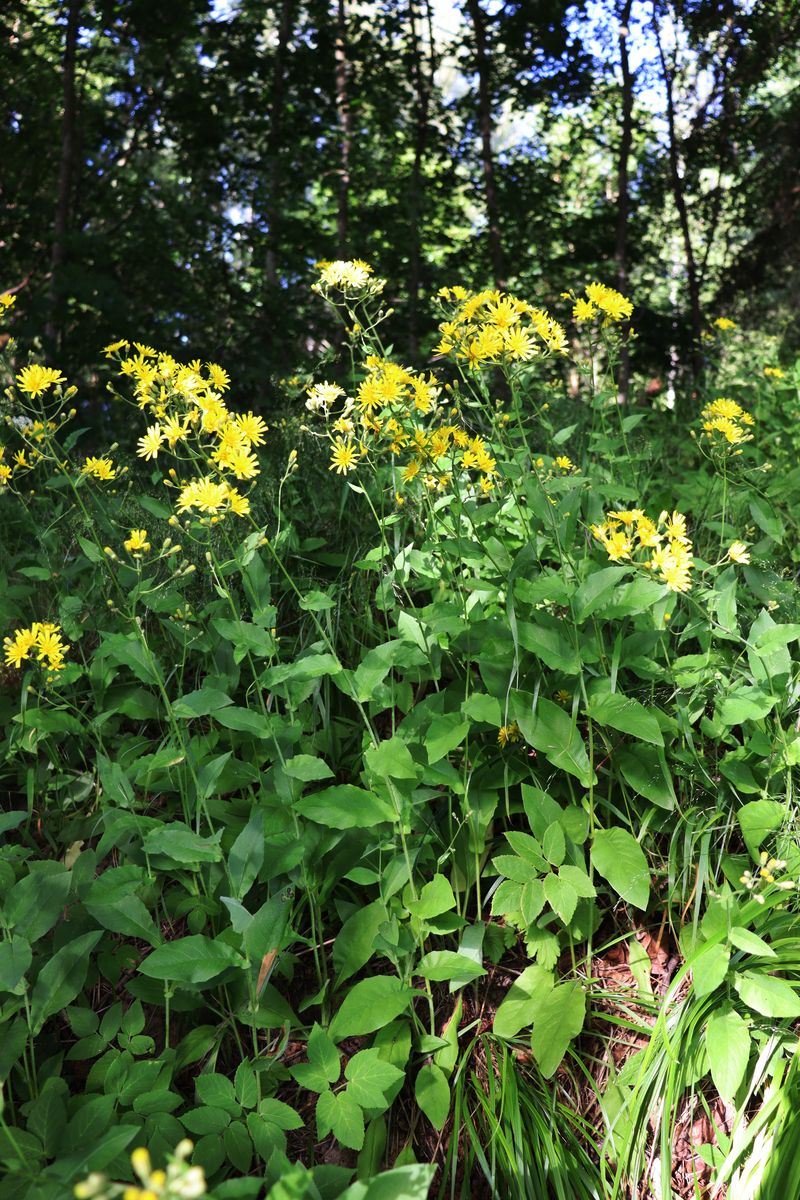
<point x="54" y="327"/>
<point x="478" y="18"/>
<point x="272" y="208"/>
<point x="422" y="84"/>
<point x="623" y="195"/>
<point x="679" y="197"/>
<point x="345" y="128"/>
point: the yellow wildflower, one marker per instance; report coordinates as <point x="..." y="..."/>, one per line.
<point x="344" y="457"/>
<point x="738" y="552"/>
<point x="137" y="543"/>
<point x="35" y="379"/>
<point x="99" y="468"/>
<point x="151" y="443"/>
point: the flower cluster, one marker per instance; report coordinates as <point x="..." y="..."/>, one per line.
<point x="724" y="324"/>
<point x="42" y="640"/>
<point x="101" y="468"/>
<point x="7" y="302"/>
<point x="725" y="423"/>
<point x="137" y="543"/>
<point x="600" y="300"/>
<point x="353" y="278"/>
<point x="388" y="414"/>
<point x="774" y="373"/>
<point x="178" y="1182"/>
<point x="190" y="422"/>
<point x="768" y="868"/>
<point x="508" y="734"/>
<point x="495" y="327"/>
<point x="627" y="535"/>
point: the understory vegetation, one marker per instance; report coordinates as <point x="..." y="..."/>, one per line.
<point x="399" y="801"/>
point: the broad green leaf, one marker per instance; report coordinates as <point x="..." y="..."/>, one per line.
<point x="369" y="1005"/>
<point x="442" y="965"/>
<point x="766" y="994"/>
<point x="177" y="842"/>
<point x="202" y="703"/>
<point x="411" y="1182"/>
<point x="244" y="720"/>
<point x="247" y="855"/>
<point x="561" y="896"/>
<point x="246" y="637"/>
<point x="522" y="1000"/>
<point x="627" y="715"/>
<point x="597" y="590"/>
<point x="266" y="931"/>
<point x="620" y="859"/>
<point x="745" y="939"/>
<point x="338" y="1113"/>
<point x="552" y="731"/>
<point x="391" y="759"/>
<point x="644" y="768"/>
<point x="35" y="903"/>
<point x="61" y="978"/>
<point x="307" y="767"/>
<point x="709" y="968"/>
<point x="559" y="1018"/>
<point x="551" y="646"/>
<point x="480" y="707"/>
<point x="728" y="1047"/>
<point x="527" y="847"/>
<point x="745" y="704"/>
<point x="444" y="734"/>
<point x="757" y="820"/>
<point x="323" y="1054"/>
<point x="346" y="807"/>
<point x="436" y="897"/>
<point x="432" y="1093"/>
<point x="355" y="940"/>
<point x="15" y="958"/>
<point x="370" y="1077"/>
<point x="191" y="960"/>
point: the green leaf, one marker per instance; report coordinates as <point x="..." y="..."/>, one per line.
<point x="15" y="958"/>
<point x="444" y="734"/>
<point x="355" y="940"/>
<point x="432" y="1093"/>
<point x="746" y="704"/>
<point x="246" y="637"/>
<point x="561" y="896"/>
<point x="202" y="703"/>
<point x="757" y="820"/>
<point x="61" y="978"/>
<point x="35" y="903"/>
<point x="411" y="1182"/>
<point x="527" y="848"/>
<point x="266" y="931"/>
<point x="728" y="1046"/>
<point x="307" y="767"/>
<point x="112" y="901"/>
<point x="551" y="646"/>
<point x="339" y="1114"/>
<point x="522" y="1000"/>
<point x="177" y="842"/>
<point x="627" y="715"/>
<point x="244" y="720"/>
<point x="205" y="1120"/>
<point x="745" y="939"/>
<point x="552" y="732"/>
<point x="369" y="1005"/>
<point x="644" y="768"/>
<point x="190" y="960"/>
<point x="766" y="994"/>
<point x="709" y="968"/>
<point x="370" y="1077"/>
<point x="247" y="855"/>
<point x="597" y="590"/>
<point x="346" y="807"/>
<point x="435" y="898"/>
<point x="480" y="707"/>
<point x="280" y="1114"/>
<point x="442" y="965"/>
<point x="620" y="859"/>
<point x="559" y="1018"/>
<point x="322" y="1053"/>
<point x="391" y="760"/>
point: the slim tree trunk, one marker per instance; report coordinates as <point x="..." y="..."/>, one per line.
<point x="483" y="68"/>
<point x="623" y="195"/>
<point x="679" y="196"/>
<point x="272" y="209"/>
<point x="422" y="85"/>
<point x="53" y="328"/>
<point x="345" y="128"/>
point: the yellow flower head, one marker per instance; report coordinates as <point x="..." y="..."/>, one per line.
<point x="151" y="443"/>
<point x="137" y="543"/>
<point x="738" y="553"/>
<point x="99" y="468"/>
<point x="35" y="379"/>
<point x="344" y="457"/>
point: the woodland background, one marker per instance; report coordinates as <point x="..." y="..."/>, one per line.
<point x="172" y="172"/>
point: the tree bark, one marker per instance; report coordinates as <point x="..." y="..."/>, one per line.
<point x="272" y="208"/>
<point x="679" y="197"/>
<point x="483" y="68"/>
<point x="345" y="128"/>
<point x="623" y="194"/>
<point x="54" y="326"/>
